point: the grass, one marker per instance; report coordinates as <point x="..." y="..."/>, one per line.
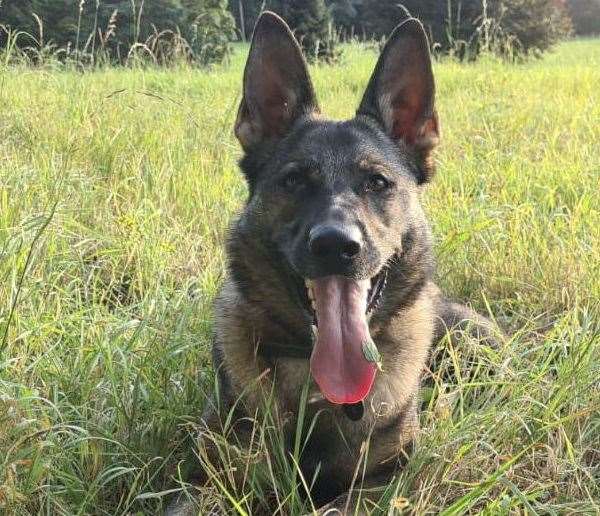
<point x="116" y="188"/>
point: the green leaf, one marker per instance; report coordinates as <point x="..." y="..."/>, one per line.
<point x="371" y="353"/>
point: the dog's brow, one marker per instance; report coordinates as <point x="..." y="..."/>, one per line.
<point x="290" y="167"/>
<point x="371" y="163"/>
<point x="293" y="166"/>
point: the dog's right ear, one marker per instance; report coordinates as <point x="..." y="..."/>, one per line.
<point x="277" y="87"/>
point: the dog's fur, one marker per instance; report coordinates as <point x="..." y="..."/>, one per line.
<point x="302" y="168"/>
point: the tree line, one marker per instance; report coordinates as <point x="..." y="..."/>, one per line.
<point x="118" y="30"/>
<point x="202" y="30"/>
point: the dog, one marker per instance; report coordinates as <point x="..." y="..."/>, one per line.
<point x="330" y="263"/>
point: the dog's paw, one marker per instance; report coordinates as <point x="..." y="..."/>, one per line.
<point x="179" y="507"/>
<point x="339" y="507"/>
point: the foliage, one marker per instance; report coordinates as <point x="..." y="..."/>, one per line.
<point x="118" y="29"/>
<point x="585" y="15"/>
<point x="465" y="27"/>
<point x="246" y="13"/>
<point x="376" y="19"/>
<point x="312" y="24"/>
<point x="528" y="26"/>
<point x="209" y="29"/>
<point x="345" y="14"/>
<point x="310" y="20"/>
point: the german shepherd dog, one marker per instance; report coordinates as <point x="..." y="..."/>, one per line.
<point x="330" y="263"/>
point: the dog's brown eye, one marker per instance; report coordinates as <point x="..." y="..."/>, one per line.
<point x="377" y="183"/>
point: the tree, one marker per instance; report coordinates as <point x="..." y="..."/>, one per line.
<point x="312" y="24"/>
<point x="59" y="18"/>
<point x="585" y="15"/>
<point x="245" y="13"/>
<point x="376" y="19"/>
<point x="345" y="14"/>
<point x="466" y="26"/>
<point x="310" y="20"/>
<point x="532" y="25"/>
<point x="198" y="29"/>
<point x="65" y="23"/>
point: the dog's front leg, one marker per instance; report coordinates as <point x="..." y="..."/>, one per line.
<point x="342" y="505"/>
<point x="222" y="452"/>
<point x="358" y="502"/>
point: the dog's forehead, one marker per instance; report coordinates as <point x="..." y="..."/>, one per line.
<point x="341" y="143"/>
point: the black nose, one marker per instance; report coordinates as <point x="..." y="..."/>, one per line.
<point x="335" y="242"/>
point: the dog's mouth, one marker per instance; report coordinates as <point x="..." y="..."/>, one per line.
<point x="374" y="295"/>
<point x="344" y="359"/>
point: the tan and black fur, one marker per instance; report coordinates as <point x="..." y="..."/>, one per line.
<point x="302" y="168"/>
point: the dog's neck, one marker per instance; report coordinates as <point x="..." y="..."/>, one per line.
<point x="272" y="352"/>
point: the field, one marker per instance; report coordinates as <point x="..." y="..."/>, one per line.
<point x="116" y="189"/>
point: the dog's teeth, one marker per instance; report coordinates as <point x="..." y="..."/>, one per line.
<point x="316" y="398"/>
<point x="315" y="330"/>
<point x="309" y="289"/>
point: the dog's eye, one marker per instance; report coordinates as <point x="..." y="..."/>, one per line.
<point x="377" y="183"/>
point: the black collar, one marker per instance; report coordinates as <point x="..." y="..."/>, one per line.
<point x="274" y="351"/>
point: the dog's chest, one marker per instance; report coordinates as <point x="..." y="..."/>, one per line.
<point x="335" y="426"/>
<point x="333" y="443"/>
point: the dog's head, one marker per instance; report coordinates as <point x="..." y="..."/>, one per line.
<point x="337" y="201"/>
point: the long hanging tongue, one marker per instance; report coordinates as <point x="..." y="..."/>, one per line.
<point x="338" y="363"/>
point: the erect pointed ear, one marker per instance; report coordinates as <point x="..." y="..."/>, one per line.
<point x="401" y="93"/>
<point x="277" y="87"/>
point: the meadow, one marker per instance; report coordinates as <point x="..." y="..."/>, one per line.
<point x="116" y="190"/>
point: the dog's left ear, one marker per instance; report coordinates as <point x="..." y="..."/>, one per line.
<point x="401" y="94"/>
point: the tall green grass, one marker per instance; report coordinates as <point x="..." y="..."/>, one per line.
<point x="116" y="188"/>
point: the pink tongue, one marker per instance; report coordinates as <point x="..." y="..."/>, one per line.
<point x="338" y="364"/>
